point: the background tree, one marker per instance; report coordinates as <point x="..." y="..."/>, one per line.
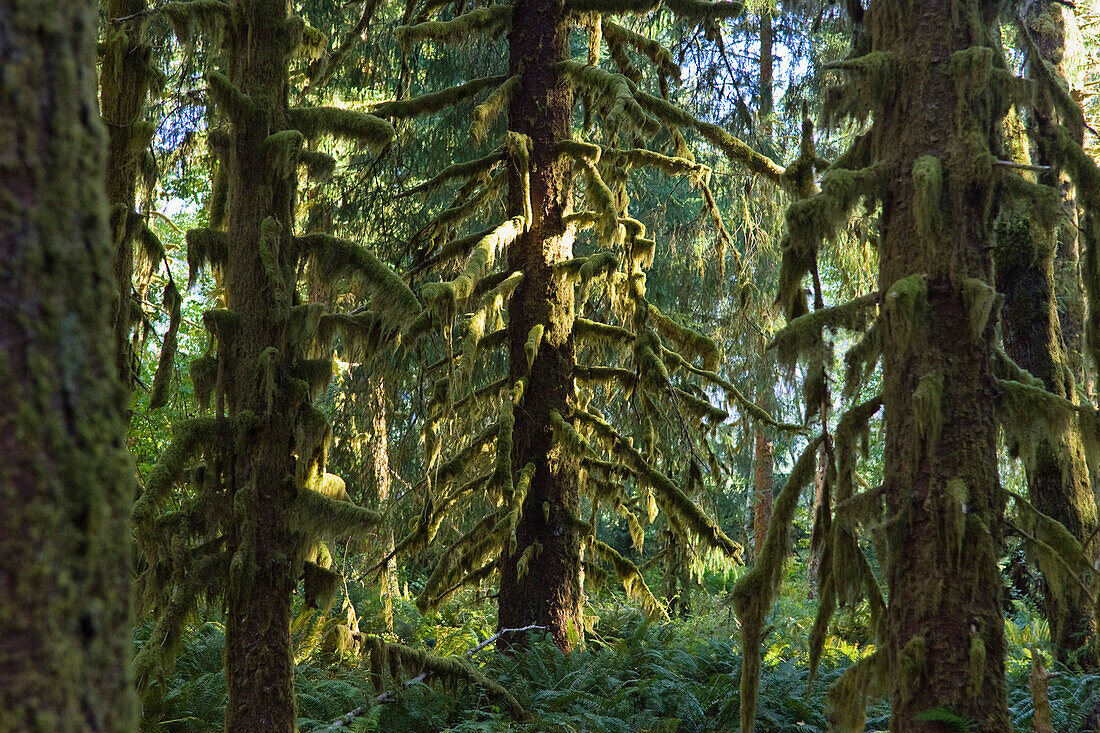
<point x="65" y="486"/>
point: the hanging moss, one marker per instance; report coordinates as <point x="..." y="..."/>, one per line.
<point x="344" y="124"/>
<point x="670" y="497"/>
<point x="461" y="171"/>
<point x="755" y="591"/>
<point x="400" y="659"/>
<point x="208" y="16"/>
<point x="927" y="193"/>
<point x="432" y="102"/>
<point x="229" y="99"/>
<point x="846" y="703"/>
<point x="319" y="585"/>
<point x="926" y="405"/>
<point x="805" y="332"/>
<point x="981" y="299"/>
<point x="731" y="147"/>
<point x="489" y="22"/>
<point x="319" y="166"/>
<point x="482" y="255"/>
<point x="205" y="248"/>
<point x="315" y="516"/>
<point x="615" y="94"/>
<point x="204" y="375"/>
<point x="486" y="113"/>
<point x="339" y="258"/>
<point x="629" y="575"/>
<point x="690" y="343"/>
<point x="531" y="346"/>
<point x="189" y="437"/>
<point x="283" y="150"/>
<point x="653" y="50"/>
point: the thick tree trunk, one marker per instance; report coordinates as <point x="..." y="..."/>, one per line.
<point x="944" y="631"/>
<point x="1047" y="21"/>
<point x="1058" y="477"/>
<point x="259" y="666"/>
<point x="124" y="83"/>
<point x="65" y="482"/>
<point x="549" y="594"/>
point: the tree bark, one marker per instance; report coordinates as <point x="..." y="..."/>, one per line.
<point x="944" y="630"/>
<point x="549" y="594"/>
<point x="124" y="83"/>
<point x="1058" y="476"/>
<point x="65" y="481"/>
<point x="764" y="492"/>
<point x="377" y="458"/>
<point x="259" y="665"/>
<point x="767" y="73"/>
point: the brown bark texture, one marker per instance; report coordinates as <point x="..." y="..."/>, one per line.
<point x="259" y="666"/>
<point x="933" y="132"/>
<point x="65" y="482"/>
<point x="764" y="491"/>
<point x="550" y="593"/>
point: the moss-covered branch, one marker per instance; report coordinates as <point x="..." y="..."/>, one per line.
<point x="431" y="102"/>
<point x="488" y="22"/>
<point x="343" y="124"/>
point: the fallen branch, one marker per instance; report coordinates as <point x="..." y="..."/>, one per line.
<point x="390" y="696"/>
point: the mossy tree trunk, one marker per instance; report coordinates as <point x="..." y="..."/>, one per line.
<point x="549" y="594"/>
<point x="944" y="631"/>
<point x="259" y="666"/>
<point x="763" y="496"/>
<point x="1057" y="474"/>
<point x="1046" y="22"/>
<point x="124" y="83"/>
<point x="1035" y="273"/>
<point x="65" y="483"/>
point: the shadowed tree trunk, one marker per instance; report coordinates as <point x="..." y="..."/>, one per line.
<point x="944" y="631"/>
<point x="124" y="82"/>
<point x="1057" y="475"/>
<point x="763" y="494"/>
<point x="542" y="109"/>
<point x="1035" y="273"/>
<point x="65" y="481"/>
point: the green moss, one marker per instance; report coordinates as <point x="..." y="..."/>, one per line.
<point x="629" y="575"/>
<point x="805" y="332"/>
<point x="846" y="703"/>
<point x="927" y="398"/>
<point x="205" y="248"/>
<point x="613" y="94"/>
<point x="927" y="193"/>
<point x="344" y="124"/>
<point x="493" y="107"/>
<point x="336" y="258"/>
<point x="976" y="672"/>
<point x="755" y="591"/>
<point x="229" y="99"/>
<point x="489" y="22"/>
<point x="432" y="102"/>
<point x="980" y="298"/>
<point x="209" y="16"/>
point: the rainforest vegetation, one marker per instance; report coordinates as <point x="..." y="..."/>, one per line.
<point x="549" y="365"/>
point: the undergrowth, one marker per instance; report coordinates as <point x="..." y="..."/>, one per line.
<point x="633" y="676"/>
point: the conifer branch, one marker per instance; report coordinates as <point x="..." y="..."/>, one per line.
<point x="435" y="101"/>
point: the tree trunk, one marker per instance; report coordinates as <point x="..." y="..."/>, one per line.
<point x="66" y="485"/>
<point x="377" y="458"/>
<point x="1057" y="477"/>
<point x="944" y="630"/>
<point x="763" y="495"/>
<point x="549" y="594"/>
<point x="259" y="666"/>
<point x="1047" y="21"/>
<point x="767" y="74"/>
<point x="124" y="83"/>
